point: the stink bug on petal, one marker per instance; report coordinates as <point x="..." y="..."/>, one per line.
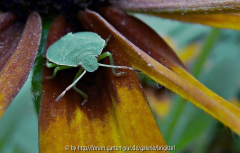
<point x="81" y="49"/>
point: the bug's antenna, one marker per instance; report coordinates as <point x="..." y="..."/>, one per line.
<point x="70" y="86"/>
<point x="108" y="38"/>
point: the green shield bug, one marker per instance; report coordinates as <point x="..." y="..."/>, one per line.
<point x="81" y="49"/>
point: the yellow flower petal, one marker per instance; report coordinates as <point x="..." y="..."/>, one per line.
<point x="229" y="21"/>
<point x="203" y="12"/>
<point x="116" y="114"/>
<point x="178" y="80"/>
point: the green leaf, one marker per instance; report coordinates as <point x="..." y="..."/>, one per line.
<point x="38" y="67"/>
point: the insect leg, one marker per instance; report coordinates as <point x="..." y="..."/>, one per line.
<point x="50" y="65"/>
<point x="57" y="69"/>
<point x="82" y="94"/>
<point x="78" y="90"/>
<point x="107" y="54"/>
<point x="119" y="67"/>
<point x="71" y="85"/>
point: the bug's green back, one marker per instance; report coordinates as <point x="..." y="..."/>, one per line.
<point x="72" y="49"/>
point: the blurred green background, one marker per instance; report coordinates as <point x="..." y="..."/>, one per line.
<point x="185" y="126"/>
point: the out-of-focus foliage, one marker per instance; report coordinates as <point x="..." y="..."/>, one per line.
<point x="19" y="124"/>
<point x="187" y="126"/>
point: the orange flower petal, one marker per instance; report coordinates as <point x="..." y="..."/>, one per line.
<point x="116" y="114"/>
<point x="178" y="80"/>
<point x="17" y="57"/>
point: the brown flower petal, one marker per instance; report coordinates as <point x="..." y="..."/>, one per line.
<point x="116" y="114"/>
<point x="177" y="80"/>
<point x="17" y="56"/>
<point x="142" y="36"/>
<point x="203" y="12"/>
<point x="6" y="19"/>
<point x="178" y="6"/>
